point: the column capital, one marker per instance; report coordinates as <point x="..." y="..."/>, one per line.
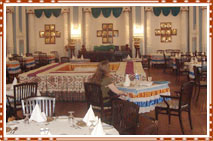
<point x="127" y="9"/>
<point x="184" y="9"/>
<point x="9" y="10"/>
<point x="30" y="11"/>
<point x="204" y="7"/>
<point x="87" y="10"/>
<point x="148" y="9"/>
<point x="65" y="10"/>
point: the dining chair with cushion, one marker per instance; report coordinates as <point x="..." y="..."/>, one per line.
<point x="21" y="91"/>
<point x="46" y="104"/>
<point x="94" y="97"/>
<point x="200" y="80"/>
<point x="43" y="59"/>
<point x="177" y="104"/>
<point x="167" y="63"/>
<point x="125" y="116"/>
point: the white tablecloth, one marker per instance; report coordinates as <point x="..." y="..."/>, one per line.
<point x="56" y="127"/>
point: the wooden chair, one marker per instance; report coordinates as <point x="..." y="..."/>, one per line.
<point x="167" y="63"/>
<point x="177" y="104"/>
<point x="43" y="59"/>
<point x="21" y="91"/>
<point x="200" y="80"/>
<point x="160" y="51"/>
<point x="65" y="59"/>
<point x="125" y="116"/>
<point x="46" y="104"/>
<point x="94" y="97"/>
<point x="181" y="70"/>
<point x="56" y="55"/>
<point x="29" y="54"/>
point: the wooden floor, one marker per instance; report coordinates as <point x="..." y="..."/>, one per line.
<point x="199" y="111"/>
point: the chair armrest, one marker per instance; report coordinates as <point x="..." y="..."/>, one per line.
<point x="174" y="97"/>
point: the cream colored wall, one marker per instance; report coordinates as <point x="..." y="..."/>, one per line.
<point x="59" y="26"/>
<point x="155" y="24"/>
<point x="96" y="24"/>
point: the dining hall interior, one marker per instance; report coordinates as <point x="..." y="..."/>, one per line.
<point x="106" y="70"/>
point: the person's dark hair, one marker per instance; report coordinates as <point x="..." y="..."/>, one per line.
<point x="102" y="71"/>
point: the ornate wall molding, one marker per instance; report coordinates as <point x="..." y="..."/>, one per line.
<point x="87" y="10"/>
<point x="204" y="7"/>
<point x="126" y="9"/>
<point x="148" y="9"/>
<point x="184" y="9"/>
<point x="30" y="11"/>
<point x="65" y="10"/>
<point x="10" y="10"/>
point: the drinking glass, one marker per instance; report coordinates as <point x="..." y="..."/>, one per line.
<point x="71" y="118"/>
<point x="26" y="120"/>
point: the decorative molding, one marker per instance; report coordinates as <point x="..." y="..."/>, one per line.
<point x="148" y="9"/>
<point x="87" y="10"/>
<point x="30" y="11"/>
<point x="184" y="9"/>
<point x="204" y="7"/>
<point x="65" y="10"/>
<point x="9" y="10"/>
<point x="127" y="9"/>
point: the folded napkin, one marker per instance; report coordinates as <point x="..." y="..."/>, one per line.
<point x="128" y="57"/>
<point x="82" y="57"/>
<point x="191" y="54"/>
<point x="89" y="116"/>
<point x="37" y="115"/>
<point x="73" y="57"/>
<point x="98" y="130"/>
<point x="14" y="83"/>
<point x="146" y="83"/>
<point x="127" y="81"/>
<point x="202" y="53"/>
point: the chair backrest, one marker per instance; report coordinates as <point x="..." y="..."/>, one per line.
<point x="186" y="93"/>
<point x="24" y="90"/>
<point x="160" y="51"/>
<point x="46" y="104"/>
<point x="65" y="59"/>
<point x="93" y="94"/>
<point x="29" y="54"/>
<point x="125" y="116"/>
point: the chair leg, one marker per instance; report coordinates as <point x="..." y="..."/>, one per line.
<point x="195" y="91"/>
<point x="156" y="113"/>
<point x="198" y="93"/>
<point x="181" y="124"/>
<point x="169" y="116"/>
<point x="190" y="119"/>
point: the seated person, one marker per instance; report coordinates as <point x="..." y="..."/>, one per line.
<point x="102" y="77"/>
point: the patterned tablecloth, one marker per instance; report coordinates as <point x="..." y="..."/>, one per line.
<point x="146" y="97"/>
<point x="79" y="60"/>
<point x="70" y="77"/>
<point x="13" y="67"/>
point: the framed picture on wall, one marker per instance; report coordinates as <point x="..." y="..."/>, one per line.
<point x="52" y="27"/>
<point x="58" y="34"/>
<point x="47" y="40"/>
<point x="104" y="40"/>
<point x="157" y="32"/>
<point x="174" y="31"/>
<point x="115" y="33"/>
<point x="47" y="34"/>
<point x="41" y="34"/>
<point x="52" y="33"/>
<point x="104" y="33"/>
<point x="110" y="26"/>
<point x="110" y="33"/>
<point x="52" y="40"/>
<point x="47" y="27"/>
<point x="104" y="26"/>
<point x="110" y="40"/>
<point x="99" y="33"/>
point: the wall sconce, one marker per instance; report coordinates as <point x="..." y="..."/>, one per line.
<point x="76" y="31"/>
<point x="138" y="31"/>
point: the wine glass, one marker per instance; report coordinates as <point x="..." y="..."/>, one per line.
<point x="26" y="120"/>
<point x="71" y="118"/>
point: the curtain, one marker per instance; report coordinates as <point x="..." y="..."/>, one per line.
<point x="116" y="12"/>
<point x="47" y="12"/>
<point x="106" y="12"/>
<point x="157" y="11"/>
<point x="96" y="12"/>
<point x="175" y="11"/>
<point x="166" y="10"/>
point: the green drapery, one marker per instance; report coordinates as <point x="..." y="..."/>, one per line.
<point x="106" y="12"/>
<point x="47" y="12"/>
<point x="96" y="12"/>
<point x="116" y="12"/>
<point x="166" y="10"/>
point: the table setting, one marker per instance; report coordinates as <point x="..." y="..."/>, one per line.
<point x="39" y="124"/>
